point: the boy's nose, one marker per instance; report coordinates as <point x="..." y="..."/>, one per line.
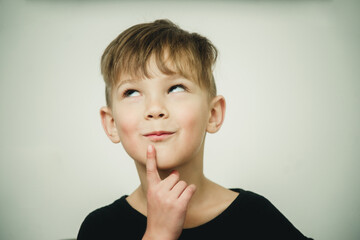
<point x="156" y="110"/>
<point x="155" y="115"/>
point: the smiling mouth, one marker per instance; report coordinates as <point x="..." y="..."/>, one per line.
<point x="158" y="136"/>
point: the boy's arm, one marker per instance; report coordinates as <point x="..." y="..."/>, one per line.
<point x="167" y="202"/>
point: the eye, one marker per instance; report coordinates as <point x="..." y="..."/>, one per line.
<point x="131" y="93"/>
<point x="177" y="88"/>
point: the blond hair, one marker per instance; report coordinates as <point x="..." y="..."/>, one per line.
<point x="175" y="52"/>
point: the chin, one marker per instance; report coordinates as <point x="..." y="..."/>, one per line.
<point x="167" y="165"/>
<point x="170" y="158"/>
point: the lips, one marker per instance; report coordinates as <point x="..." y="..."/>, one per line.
<point x="157" y="136"/>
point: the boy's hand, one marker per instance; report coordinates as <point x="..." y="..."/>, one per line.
<point x="167" y="201"/>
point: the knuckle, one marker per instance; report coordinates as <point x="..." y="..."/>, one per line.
<point x="150" y="170"/>
<point x="182" y="183"/>
<point x="176" y="179"/>
<point x="190" y="191"/>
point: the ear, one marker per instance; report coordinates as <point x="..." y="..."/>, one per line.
<point x="217" y="114"/>
<point x="108" y="124"/>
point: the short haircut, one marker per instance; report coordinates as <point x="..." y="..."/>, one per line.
<point x="174" y="50"/>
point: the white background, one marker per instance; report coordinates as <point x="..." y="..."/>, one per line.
<point x="288" y="69"/>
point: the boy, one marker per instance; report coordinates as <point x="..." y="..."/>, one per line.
<point x="161" y="101"/>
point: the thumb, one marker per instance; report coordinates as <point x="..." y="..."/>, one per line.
<point x="151" y="167"/>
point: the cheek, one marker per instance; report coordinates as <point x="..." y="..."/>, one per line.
<point x="128" y="132"/>
<point x="127" y="124"/>
<point x="194" y="121"/>
<point x="126" y="128"/>
<point x="190" y="121"/>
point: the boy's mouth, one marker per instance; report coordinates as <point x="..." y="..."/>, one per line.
<point x="157" y="136"/>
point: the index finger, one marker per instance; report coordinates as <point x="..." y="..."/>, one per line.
<point x="151" y="168"/>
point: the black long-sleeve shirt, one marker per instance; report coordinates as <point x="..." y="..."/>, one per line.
<point x="249" y="216"/>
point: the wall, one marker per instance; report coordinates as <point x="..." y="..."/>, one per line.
<point x="288" y="69"/>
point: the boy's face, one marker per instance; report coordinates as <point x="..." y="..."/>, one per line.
<point x="170" y="112"/>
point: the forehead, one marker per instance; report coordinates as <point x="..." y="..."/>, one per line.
<point x="164" y="62"/>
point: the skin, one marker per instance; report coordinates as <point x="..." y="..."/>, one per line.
<point x="162" y="123"/>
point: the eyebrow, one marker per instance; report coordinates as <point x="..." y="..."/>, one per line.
<point x="132" y="80"/>
<point x="129" y="80"/>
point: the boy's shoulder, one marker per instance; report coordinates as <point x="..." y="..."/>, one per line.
<point x="249" y="203"/>
<point x="255" y="207"/>
<point x="248" y="198"/>
<point x="105" y="222"/>
<point x="109" y="210"/>
<point x="260" y="213"/>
